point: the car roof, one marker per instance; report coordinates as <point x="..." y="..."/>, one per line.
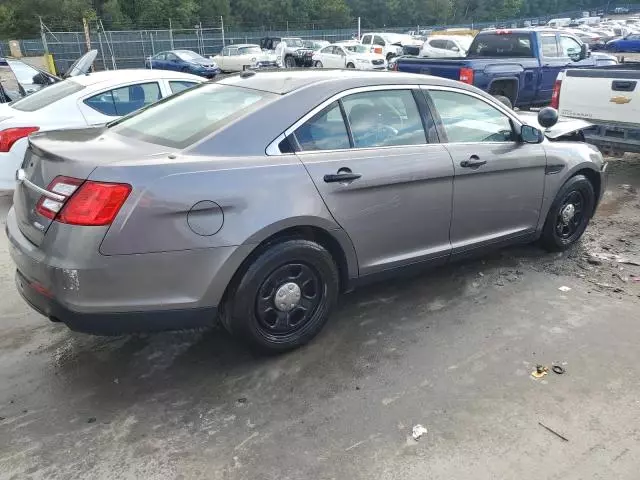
<point x="282" y="83"/>
<point x="131" y="75"/>
<point x="243" y="45"/>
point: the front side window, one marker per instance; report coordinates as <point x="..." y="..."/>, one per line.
<point x="324" y="131"/>
<point x="327" y="50"/>
<point x="384" y="118"/>
<point x="378" y="41"/>
<point x="171" y="57"/>
<point x="253" y="50"/>
<point x="47" y="96"/>
<point x="188" y="117"/>
<point x="469" y="119"/>
<point x="160" y="56"/>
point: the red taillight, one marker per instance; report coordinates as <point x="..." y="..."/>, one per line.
<point x="466" y="75"/>
<point x="84" y="202"/>
<point x="11" y="135"/>
<point x="395" y="66"/>
<point x="94" y="204"/>
<point x="64" y="186"/>
<point x="555" y="96"/>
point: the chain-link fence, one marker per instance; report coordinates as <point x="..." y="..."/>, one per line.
<point x="130" y="49"/>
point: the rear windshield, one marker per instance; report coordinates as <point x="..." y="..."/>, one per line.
<point x="189" y="116"/>
<point x="47" y="96"/>
<point x="501" y="45"/>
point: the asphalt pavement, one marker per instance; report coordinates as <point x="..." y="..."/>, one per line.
<point x="452" y="350"/>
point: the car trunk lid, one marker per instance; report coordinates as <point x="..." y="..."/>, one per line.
<point x="69" y="153"/>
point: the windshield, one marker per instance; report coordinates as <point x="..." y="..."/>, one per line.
<point x="189" y="56"/>
<point x="501" y="45"/>
<point x="293" y="42"/>
<point x="357" y="48"/>
<point x="189" y="116"/>
<point x="253" y="50"/>
<point x="47" y="96"/>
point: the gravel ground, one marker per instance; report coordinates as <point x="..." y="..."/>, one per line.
<point x="451" y="349"/>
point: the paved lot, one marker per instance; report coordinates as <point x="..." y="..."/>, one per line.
<point x="452" y="350"/>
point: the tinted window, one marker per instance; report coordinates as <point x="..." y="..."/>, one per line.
<point x="569" y="46"/>
<point x="125" y="100"/>
<point x="501" y="45"/>
<point x="324" y="131"/>
<point x="191" y="115"/>
<point x="378" y="41"/>
<point x="366" y="39"/>
<point x="438" y="43"/>
<point x="47" y="96"/>
<point x="254" y="50"/>
<point x="384" y="118"/>
<point x="469" y="119"/>
<point x="549" y="46"/>
<point x="178" y="86"/>
<point x="450" y="45"/>
<point x="160" y="56"/>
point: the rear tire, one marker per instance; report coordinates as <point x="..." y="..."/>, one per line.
<point x="284" y="297"/>
<point x="318" y="64"/>
<point x="569" y="214"/>
<point x="350" y="65"/>
<point x="289" y="62"/>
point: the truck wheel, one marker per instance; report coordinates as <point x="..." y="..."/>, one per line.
<point x="284" y="297"/>
<point x="350" y="65"/>
<point x="289" y="62"/>
<point x="390" y="56"/>
<point x="569" y="214"/>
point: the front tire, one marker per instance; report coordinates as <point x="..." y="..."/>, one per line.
<point x="350" y="65"/>
<point x="289" y="62"/>
<point x="569" y="214"/>
<point x="284" y="297"/>
<point x="318" y="64"/>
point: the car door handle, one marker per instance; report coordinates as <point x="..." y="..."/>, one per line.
<point x="344" y="175"/>
<point x="473" y="162"/>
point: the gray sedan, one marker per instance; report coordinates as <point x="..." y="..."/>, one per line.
<point x="259" y="198"/>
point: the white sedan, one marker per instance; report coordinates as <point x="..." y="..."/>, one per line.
<point x="80" y="101"/>
<point x="349" y="55"/>
<point x="446" y="46"/>
<point x="237" y="58"/>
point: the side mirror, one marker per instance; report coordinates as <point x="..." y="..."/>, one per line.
<point x="547" y="117"/>
<point x="455" y="49"/>
<point x="584" y="51"/>
<point x="530" y="134"/>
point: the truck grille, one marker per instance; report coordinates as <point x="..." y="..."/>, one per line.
<point x="377" y="62"/>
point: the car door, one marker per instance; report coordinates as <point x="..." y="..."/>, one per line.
<point x="333" y="59"/>
<point x="379" y="45"/>
<point x="366" y="40"/>
<point x="389" y="188"/>
<point x="172" y="62"/>
<point x="234" y="60"/>
<point x="499" y="181"/>
<point x="552" y="61"/>
<point x="221" y="59"/>
<point x="339" y="57"/>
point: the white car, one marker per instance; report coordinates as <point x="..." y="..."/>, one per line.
<point x="80" y="101"/>
<point x="446" y="46"/>
<point x="237" y="58"/>
<point x="349" y="55"/>
<point x="389" y="45"/>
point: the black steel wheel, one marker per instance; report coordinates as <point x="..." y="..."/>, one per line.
<point x="284" y="296"/>
<point x="569" y="214"/>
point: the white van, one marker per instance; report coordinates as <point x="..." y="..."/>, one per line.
<point x="558" y="22"/>
<point x="588" y="21"/>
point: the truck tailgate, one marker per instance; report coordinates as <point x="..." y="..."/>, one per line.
<point x="610" y="96"/>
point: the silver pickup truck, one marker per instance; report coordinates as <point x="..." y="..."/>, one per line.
<point x="607" y="97"/>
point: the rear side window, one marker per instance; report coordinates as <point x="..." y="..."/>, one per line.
<point x="324" y="131"/>
<point x="178" y="86"/>
<point x="183" y="119"/>
<point x="384" y="118"/>
<point x="501" y="45"/>
<point x="366" y="40"/>
<point x="47" y="96"/>
<point x="125" y="100"/>
<point x="438" y="43"/>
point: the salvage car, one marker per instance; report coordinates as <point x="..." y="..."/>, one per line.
<point x="446" y="46"/>
<point x="237" y="58"/>
<point x="295" y="53"/>
<point x="630" y="43"/>
<point x="79" y="101"/>
<point x="349" y="55"/>
<point x="184" y="61"/>
<point x="169" y="218"/>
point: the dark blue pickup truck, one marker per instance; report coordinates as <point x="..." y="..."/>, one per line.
<point x="519" y="64"/>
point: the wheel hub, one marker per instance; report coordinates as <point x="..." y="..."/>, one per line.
<point x="287" y="297"/>
<point x="567" y="213"/>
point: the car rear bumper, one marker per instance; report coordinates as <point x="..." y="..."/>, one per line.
<point x="117" y="294"/>
<point x="113" y="323"/>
